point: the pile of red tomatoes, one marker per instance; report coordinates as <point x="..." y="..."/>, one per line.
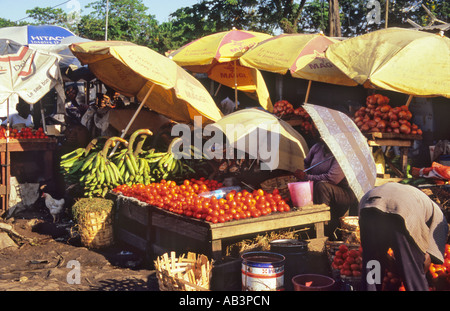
<point x="24" y="133"/>
<point x="440" y="274"/>
<point x="184" y="199"/>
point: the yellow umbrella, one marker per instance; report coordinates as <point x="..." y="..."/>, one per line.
<point x="263" y="136"/>
<point x="218" y="54"/>
<point x="396" y="59"/>
<point x="155" y="80"/>
<point x="300" y="54"/>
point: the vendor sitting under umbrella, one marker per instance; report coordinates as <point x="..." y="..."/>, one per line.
<point x="330" y="185"/>
<point x="22" y="118"/>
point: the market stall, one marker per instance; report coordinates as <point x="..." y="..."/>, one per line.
<point x="162" y="231"/>
<point x="45" y="145"/>
<point x="166" y="204"/>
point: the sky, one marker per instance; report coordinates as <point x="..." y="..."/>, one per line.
<point x="160" y="8"/>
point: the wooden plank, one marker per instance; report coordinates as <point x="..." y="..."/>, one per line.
<point x="131" y="239"/>
<point x="133" y="209"/>
<point x="133" y="227"/>
<point x="394" y="136"/>
<point x="18" y="145"/>
<point x="199" y="229"/>
<point x="389" y="142"/>
<point x="180" y="225"/>
<point x="269" y="224"/>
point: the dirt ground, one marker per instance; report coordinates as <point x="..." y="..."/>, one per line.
<point x="50" y="257"/>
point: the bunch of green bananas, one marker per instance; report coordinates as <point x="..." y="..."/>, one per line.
<point x="132" y="167"/>
<point x="91" y="169"/>
<point x="71" y="163"/>
<point x="96" y="173"/>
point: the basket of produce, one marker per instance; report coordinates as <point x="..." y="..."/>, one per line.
<point x="94" y="221"/>
<point x="377" y="116"/>
<point x="280" y="183"/>
<point x="346" y="263"/>
<point x="350" y="229"/>
<point x="191" y="273"/>
<point x="332" y="247"/>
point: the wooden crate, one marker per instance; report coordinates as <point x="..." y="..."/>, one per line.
<point x="133" y="223"/>
<point x="171" y="231"/>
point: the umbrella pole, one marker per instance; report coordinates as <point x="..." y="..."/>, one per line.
<point x="124" y="132"/>
<point x="7" y="161"/>
<point x="235" y="86"/>
<point x="217" y="91"/>
<point x="307" y="91"/>
<point x="409" y="100"/>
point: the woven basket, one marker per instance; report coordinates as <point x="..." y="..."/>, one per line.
<point x="96" y="229"/>
<point x="191" y="273"/>
<point x="350" y="229"/>
<point x="280" y="183"/>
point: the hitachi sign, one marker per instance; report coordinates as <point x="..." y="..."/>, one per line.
<point x="45" y="39"/>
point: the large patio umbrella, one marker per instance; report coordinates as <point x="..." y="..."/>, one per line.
<point x="396" y="59"/>
<point x="49" y="38"/>
<point x="302" y="55"/>
<point x="157" y="82"/>
<point x="28" y="74"/>
<point x="348" y="145"/>
<point x="259" y="133"/>
<point x="217" y="55"/>
<point x="40" y="37"/>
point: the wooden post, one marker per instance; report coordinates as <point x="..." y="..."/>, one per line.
<point x="387" y="14"/>
<point x="409" y="100"/>
<point x="307" y="92"/>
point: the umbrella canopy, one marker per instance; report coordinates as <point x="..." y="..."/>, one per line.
<point x="263" y="136"/>
<point x="39" y="37"/>
<point x="348" y="146"/>
<point x="154" y="79"/>
<point x="217" y="55"/>
<point x="27" y="73"/>
<point x="50" y="38"/>
<point x="300" y="54"/>
<point x="396" y="59"/>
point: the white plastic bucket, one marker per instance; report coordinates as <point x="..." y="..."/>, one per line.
<point x="301" y="193"/>
<point x="262" y="271"/>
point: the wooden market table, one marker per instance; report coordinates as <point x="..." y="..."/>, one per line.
<point x="403" y="141"/>
<point x="215" y="234"/>
<point x="155" y="230"/>
<point x="47" y="146"/>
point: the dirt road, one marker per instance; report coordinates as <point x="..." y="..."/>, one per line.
<point x="50" y="258"/>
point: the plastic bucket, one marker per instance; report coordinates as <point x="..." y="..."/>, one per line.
<point x="312" y="282"/>
<point x="262" y="271"/>
<point x="301" y="193"/>
<point x="296" y="253"/>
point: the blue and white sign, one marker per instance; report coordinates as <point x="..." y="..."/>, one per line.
<point x="47" y="34"/>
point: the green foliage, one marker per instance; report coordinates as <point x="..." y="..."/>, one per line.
<point x="131" y="20"/>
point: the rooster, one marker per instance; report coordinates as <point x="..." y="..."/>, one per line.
<point x="54" y="206"/>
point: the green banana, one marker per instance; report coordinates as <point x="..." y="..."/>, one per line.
<point x="134" y="162"/>
<point x="130" y="167"/>
<point x="75" y="168"/>
<point x="88" y="161"/>
<point x="75" y="153"/>
<point x="107" y="176"/>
